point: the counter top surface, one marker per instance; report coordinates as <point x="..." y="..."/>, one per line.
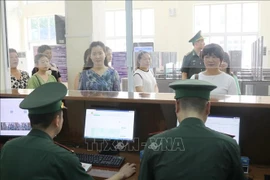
<point x="151" y="98"/>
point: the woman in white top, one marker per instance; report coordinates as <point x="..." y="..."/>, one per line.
<point x="144" y="80"/>
<point x="213" y="55"/>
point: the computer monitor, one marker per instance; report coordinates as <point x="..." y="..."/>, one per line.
<point x="14" y="120"/>
<point x="226" y="125"/>
<point x="109" y="124"/>
<point x="143" y="46"/>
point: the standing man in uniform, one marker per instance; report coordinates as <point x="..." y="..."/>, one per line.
<point x="36" y="156"/>
<point x="192" y="62"/>
<point x="191" y="151"/>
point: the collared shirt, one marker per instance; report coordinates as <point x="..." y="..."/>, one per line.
<point x="35" y="156"/>
<point x="191" y="151"/>
<point x="192" y="64"/>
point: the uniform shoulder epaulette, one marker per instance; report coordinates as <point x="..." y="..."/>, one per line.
<point x="62" y="146"/>
<point x="188" y="53"/>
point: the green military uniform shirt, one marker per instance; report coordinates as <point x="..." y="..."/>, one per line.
<point x="191" y="151"/>
<point x="192" y="64"/>
<point x="35" y="156"/>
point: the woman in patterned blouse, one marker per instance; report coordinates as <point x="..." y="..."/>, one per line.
<point x="19" y="78"/>
<point x="99" y="77"/>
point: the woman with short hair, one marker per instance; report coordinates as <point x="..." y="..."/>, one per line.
<point x="213" y="55"/>
<point x="19" y="78"/>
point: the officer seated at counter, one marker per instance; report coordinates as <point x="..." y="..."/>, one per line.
<point x="36" y="156"/>
<point x="191" y="151"/>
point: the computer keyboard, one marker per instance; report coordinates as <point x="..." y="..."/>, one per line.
<point x="101" y="160"/>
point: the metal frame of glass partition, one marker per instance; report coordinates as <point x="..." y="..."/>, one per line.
<point x="257" y="59"/>
<point x="129" y="43"/>
<point x="260" y="59"/>
<point x="4" y="46"/>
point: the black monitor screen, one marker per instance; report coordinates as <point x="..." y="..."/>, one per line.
<point x="60" y="29"/>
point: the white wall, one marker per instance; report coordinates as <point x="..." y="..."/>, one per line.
<point x="14" y="24"/>
<point x="78" y="35"/>
<point x="173" y="33"/>
<point x="99" y="20"/>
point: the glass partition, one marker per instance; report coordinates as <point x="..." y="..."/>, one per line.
<point x="162" y="28"/>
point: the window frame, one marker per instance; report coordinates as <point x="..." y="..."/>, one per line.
<point x="142" y="37"/>
<point x="226" y="34"/>
<point x="29" y="31"/>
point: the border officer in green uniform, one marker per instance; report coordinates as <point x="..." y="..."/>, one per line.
<point x="191" y="151"/>
<point x="192" y="63"/>
<point x="36" y="156"/>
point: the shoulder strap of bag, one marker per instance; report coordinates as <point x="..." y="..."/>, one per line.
<point x="38" y="80"/>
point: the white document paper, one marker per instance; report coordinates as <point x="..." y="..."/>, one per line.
<point x="86" y="166"/>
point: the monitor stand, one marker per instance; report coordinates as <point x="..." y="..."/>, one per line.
<point x="108" y="148"/>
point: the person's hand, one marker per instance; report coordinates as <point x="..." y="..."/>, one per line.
<point x="127" y="170"/>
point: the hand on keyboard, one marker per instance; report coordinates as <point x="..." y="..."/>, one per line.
<point x="128" y="170"/>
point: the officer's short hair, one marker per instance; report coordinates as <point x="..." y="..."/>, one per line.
<point x="192" y="104"/>
<point x="213" y="49"/>
<point x="43" y="120"/>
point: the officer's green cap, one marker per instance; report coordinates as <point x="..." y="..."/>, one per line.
<point x="47" y="98"/>
<point x="196" y="38"/>
<point x="192" y="88"/>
